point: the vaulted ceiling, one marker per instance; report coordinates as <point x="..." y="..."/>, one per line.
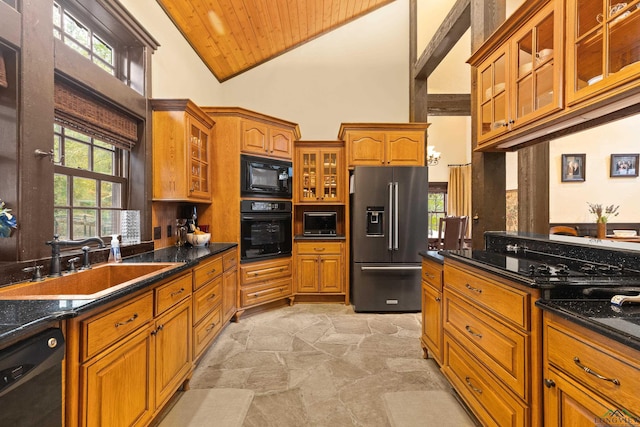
<point x="232" y="36"/>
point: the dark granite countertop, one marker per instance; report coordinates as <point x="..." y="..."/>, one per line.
<point x="433" y="256"/>
<point x="621" y="323"/>
<point x="20" y="317"/>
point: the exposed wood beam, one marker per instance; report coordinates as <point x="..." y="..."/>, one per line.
<point x="449" y="104"/>
<point x="456" y="23"/>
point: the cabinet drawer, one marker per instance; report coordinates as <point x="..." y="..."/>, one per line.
<point x="229" y="260"/>
<point x="261" y="272"/>
<point x="206" y="331"/>
<point x="505" y="301"/>
<point x="573" y="353"/>
<point x="106" y="328"/>
<point x="319" y="248"/>
<point x="432" y="273"/>
<point x="267" y="292"/>
<point x="206" y="298"/>
<point x="172" y="293"/>
<point x="493" y="405"/>
<point x="499" y="347"/>
<point x="207" y="271"/>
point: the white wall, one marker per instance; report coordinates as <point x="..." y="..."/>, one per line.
<point x="356" y="73"/>
<point x="568" y="200"/>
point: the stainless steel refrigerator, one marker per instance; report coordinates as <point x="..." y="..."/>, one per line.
<point x="388" y="229"/>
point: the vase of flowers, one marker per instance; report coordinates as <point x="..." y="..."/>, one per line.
<point x="602" y="214"/>
<point x="8" y="222"/>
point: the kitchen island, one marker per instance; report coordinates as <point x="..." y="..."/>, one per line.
<point x="502" y="308"/>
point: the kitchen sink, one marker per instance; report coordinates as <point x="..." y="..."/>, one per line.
<point x="99" y="281"/>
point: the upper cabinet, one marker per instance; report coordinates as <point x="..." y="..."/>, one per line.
<point x="181" y="147"/>
<point x="603" y="50"/>
<point x="553" y="67"/>
<point x="521" y="80"/>
<point x="319" y="172"/>
<point x="266" y="140"/>
<point x="384" y="144"/>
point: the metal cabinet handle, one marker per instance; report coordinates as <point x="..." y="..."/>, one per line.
<point x="319" y="249"/>
<point x="437" y="299"/>
<point x="471" y="288"/>
<point x="211" y="326"/>
<point x="173" y="294"/>
<point x="471" y="386"/>
<point x="131" y="319"/>
<point x="475" y="334"/>
<point x="429" y="276"/>
<point x="595" y="374"/>
<point x="212" y="296"/>
<point x="549" y="383"/>
<point x="211" y="272"/>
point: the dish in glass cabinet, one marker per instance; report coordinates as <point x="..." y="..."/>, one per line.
<point x="594" y="80"/>
<point x="624" y="233"/>
<point x="525" y="68"/>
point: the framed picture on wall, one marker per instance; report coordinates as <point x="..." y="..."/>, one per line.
<point x="624" y="165"/>
<point x="573" y="166"/>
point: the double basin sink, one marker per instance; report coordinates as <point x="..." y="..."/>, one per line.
<point x="99" y="281"/>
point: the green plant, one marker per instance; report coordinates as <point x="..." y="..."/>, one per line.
<point x="602" y="213"/>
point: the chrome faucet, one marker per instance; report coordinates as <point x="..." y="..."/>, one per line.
<point x="54" y="270"/>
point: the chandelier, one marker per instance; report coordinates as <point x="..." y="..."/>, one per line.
<point x="433" y="156"/>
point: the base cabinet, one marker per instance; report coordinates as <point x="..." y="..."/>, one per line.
<point x="431" y="338"/>
<point x="266" y="281"/>
<point x="320" y="267"/>
<point x="589" y="379"/>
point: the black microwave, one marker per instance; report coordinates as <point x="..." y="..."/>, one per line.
<point x="319" y="223"/>
<point x="261" y="177"/>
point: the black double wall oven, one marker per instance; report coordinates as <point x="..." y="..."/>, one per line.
<point x="265" y="229"/>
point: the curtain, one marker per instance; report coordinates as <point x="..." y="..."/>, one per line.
<point x="459" y="194"/>
<point x="77" y="109"/>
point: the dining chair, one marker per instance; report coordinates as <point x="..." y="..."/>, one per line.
<point x="451" y="232"/>
<point x="563" y="230"/>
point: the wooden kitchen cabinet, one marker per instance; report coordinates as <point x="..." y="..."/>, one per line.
<point x="229" y="285"/>
<point x="320" y="267"/>
<point x="181" y="151"/>
<point x="266" y="281"/>
<point x="521" y="80"/>
<point x="132" y="356"/>
<point x="492" y="339"/>
<point x="319" y="172"/>
<point x="589" y="379"/>
<point x="603" y="47"/>
<point x="431" y="338"/>
<point x="384" y="144"/>
<point x="266" y="140"/>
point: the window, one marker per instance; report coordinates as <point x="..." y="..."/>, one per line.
<point x="437" y="206"/>
<point x="89" y="185"/>
<point x="83" y="39"/>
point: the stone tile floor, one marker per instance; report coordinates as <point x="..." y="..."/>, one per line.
<point x="320" y="365"/>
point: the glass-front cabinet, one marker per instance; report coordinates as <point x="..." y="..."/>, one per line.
<point x="319" y="176"/>
<point x="521" y="80"/>
<point x="602" y="46"/>
<point x="493" y="96"/>
<point x="199" y="140"/>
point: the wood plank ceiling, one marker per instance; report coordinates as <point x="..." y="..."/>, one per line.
<point x="232" y="36"/>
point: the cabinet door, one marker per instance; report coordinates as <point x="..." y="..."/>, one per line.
<point x="537" y="62"/>
<point x="229" y="294"/>
<point x="198" y="169"/>
<point x="566" y="403"/>
<point x="307" y="273"/>
<point x="366" y="148"/>
<point x="602" y="47"/>
<point x="254" y="137"/>
<point x="432" y="320"/>
<point x="330" y="182"/>
<point x="405" y="149"/>
<point x="173" y="351"/>
<point x="115" y="386"/>
<point x="280" y="143"/>
<point x="308" y="176"/>
<point x="493" y="95"/>
<point x="330" y="273"/>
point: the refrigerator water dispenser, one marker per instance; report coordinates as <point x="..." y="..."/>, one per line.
<point x="375" y="221"/>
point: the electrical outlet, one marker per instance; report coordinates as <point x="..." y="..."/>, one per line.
<point x="169" y="231"/>
<point x="157" y="233"/>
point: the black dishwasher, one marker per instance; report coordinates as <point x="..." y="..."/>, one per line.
<point x="31" y="381"/>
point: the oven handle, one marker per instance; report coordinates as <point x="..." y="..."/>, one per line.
<point x="264" y="217"/>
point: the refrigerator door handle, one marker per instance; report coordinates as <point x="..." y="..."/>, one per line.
<point x="390" y="190"/>
<point x="395" y="216"/>
<point x="407" y="267"/>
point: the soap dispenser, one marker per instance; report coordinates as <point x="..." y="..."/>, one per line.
<point x="114" y="253"/>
